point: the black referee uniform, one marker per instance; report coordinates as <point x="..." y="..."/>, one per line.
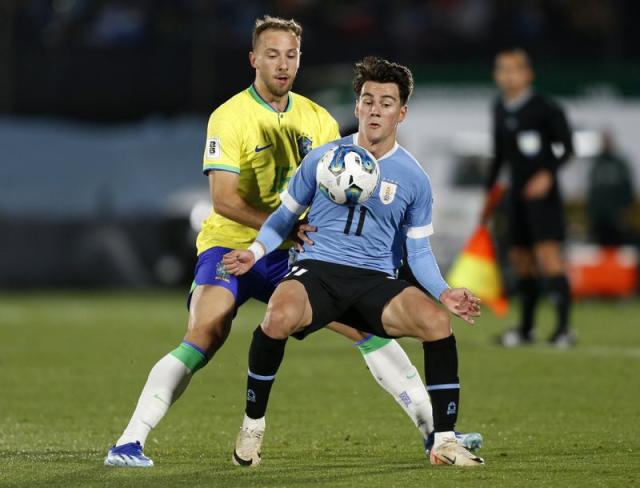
<point x="526" y="132"/>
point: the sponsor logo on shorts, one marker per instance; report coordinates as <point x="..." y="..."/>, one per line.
<point x="221" y="273"/>
<point x="296" y="271"/>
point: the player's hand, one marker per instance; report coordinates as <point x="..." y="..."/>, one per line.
<point x="301" y="238"/>
<point x="238" y="262"/>
<point x="461" y="302"/>
<point x="538" y="185"/>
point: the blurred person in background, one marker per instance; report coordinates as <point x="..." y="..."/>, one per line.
<point x="525" y="127"/>
<point x="610" y="196"/>
<point x="254" y="144"/>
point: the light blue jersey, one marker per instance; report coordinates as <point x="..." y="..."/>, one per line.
<point x="370" y="235"/>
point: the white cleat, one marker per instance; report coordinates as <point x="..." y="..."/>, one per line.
<point x="452" y="453"/>
<point x="564" y="340"/>
<point x="514" y="338"/>
<point x="248" y="444"/>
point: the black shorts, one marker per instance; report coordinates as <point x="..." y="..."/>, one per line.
<point x="352" y="296"/>
<point x="533" y="221"/>
<point x="405" y="273"/>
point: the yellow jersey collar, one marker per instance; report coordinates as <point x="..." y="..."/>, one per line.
<point x="256" y="96"/>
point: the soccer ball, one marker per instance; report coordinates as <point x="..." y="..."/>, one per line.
<point x="347" y="174"/>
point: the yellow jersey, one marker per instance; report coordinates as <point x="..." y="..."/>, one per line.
<point x="247" y="136"/>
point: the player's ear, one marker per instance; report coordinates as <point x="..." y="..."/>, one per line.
<point x="356" y="108"/>
<point x="532" y="75"/>
<point x="403" y="112"/>
<point x="252" y="59"/>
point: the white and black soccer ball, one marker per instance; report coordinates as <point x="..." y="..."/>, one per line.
<point x="347" y="174"/>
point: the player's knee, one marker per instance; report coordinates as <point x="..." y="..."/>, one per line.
<point x="276" y="330"/>
<point x="280" y="321"/>
<point x="439" y="323"/>
<point x="209" y="333"/>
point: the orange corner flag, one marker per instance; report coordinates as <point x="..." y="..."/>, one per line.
<point x="477" y="269"/>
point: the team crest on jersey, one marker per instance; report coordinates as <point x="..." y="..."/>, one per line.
<point x="212" y="150"/>
<point x="387" y="192"/>
<point x="305" y="144"/>
<point x="529" y="142"/>
<point x="221" y="273"/>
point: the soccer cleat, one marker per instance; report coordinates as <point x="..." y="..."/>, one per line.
<point x="128" y="455"/>
<point x="452" y="453"/>
<point x="248" y="443"/>
<point x="563" y="340"/>
<point x="514" y="338"/>
<point x="471" y="441"/>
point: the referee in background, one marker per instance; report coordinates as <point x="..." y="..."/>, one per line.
<point x="525" y="127"/>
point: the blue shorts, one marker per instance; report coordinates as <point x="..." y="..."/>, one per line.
<point x="259" y="283"/>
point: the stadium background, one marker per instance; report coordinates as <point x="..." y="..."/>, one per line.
<point x="103" y="109"/>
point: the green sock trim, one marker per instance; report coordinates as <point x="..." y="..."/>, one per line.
<point x="190" y="356"/>
<point x="372" y="343"/>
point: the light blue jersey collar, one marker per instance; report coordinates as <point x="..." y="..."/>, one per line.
<point x="386" y="155"/>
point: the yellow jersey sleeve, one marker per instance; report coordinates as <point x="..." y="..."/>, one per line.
<point x="330" y="128"/>
<point x="223" y="149"/>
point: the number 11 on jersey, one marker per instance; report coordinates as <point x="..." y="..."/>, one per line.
<point x="363" y="215"/>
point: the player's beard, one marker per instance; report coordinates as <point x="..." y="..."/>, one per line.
<point x="279" y="90"/>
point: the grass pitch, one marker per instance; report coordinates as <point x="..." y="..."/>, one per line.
<point x="72" y="366"/>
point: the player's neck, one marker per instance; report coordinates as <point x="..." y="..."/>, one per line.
<point x="277" y="103"/>
<point x="377" y="148"/>
<point x="515" y="95"/>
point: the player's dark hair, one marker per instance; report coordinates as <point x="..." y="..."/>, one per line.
<point x="269" y="22"/>
<point x="380" y="70"/>
<point x="516" y="51"/>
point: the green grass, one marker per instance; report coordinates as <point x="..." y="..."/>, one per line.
<point x="72" y="366"/>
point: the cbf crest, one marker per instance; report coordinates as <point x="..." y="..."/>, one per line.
<point x="387" y="192"/>
<point x="221" y="273"/>
<point x="305" y="144"/>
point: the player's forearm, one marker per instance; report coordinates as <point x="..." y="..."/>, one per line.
<point x="275" y="230"/>
<point x="236" y="209"/>
<point x="424" y="266"/>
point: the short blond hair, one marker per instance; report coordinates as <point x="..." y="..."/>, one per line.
<point x="269" y="22"/>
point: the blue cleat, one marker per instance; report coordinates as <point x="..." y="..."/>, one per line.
<point x="471" y="441"/>
<point x="128" y="456"/>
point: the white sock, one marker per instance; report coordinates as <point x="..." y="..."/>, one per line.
<point x="166" y="382"/>
<point x="440" y="437"/>
<point x="393" y="370"/>
<point x="253" y="424"/>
